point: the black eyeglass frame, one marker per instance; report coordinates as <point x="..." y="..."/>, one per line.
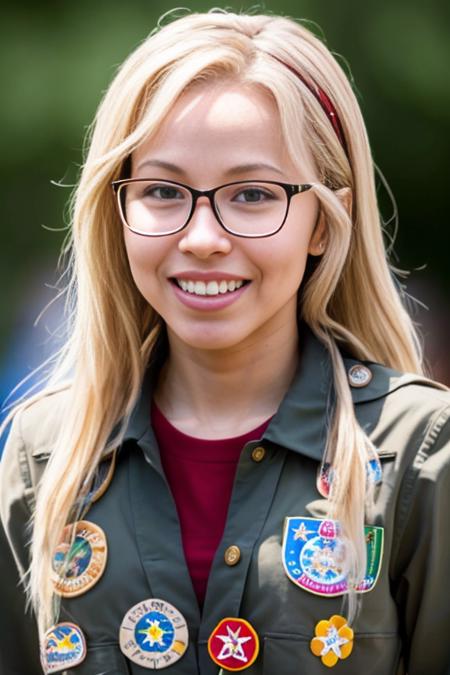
<point x="290" y="189"/>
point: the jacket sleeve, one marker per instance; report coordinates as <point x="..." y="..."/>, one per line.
<point x="19" y="645"/>
<point x="423" y="560"/>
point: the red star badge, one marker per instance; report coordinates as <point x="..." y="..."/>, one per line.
<point x="234" y="644"/>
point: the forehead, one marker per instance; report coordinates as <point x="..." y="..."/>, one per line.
<point x="219" y="123"/>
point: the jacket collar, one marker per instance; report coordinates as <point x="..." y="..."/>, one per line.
<point x="301" y="422"/>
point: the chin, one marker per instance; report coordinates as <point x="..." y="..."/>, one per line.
<point x="212" y="340"/>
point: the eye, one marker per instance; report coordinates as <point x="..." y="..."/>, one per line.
<point x="253" y="195"/>
<point x="163" y="192"/>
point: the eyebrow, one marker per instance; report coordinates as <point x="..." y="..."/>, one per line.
<point x="241" y="168"/>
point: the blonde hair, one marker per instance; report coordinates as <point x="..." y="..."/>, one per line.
<point x="349" y="299"/>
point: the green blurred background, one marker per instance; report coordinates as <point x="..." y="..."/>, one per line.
<point x="58" y="57"/>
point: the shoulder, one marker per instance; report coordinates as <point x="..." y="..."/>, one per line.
<point x="395" y="390"/>
<point x="407" y="415"/>
<point x="37" y="423"/>
<point x="34" y="430"/>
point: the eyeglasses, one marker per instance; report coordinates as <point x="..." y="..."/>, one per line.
<point x="155" y="208"/>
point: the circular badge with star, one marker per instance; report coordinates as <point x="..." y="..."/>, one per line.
<point x="63" y="647"/>
<point x="153" y="634"/>
<point x="77" y="566"/>
<point x="234" y="644"/>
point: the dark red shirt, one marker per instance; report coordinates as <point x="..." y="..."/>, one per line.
<point x="200" y="474"/>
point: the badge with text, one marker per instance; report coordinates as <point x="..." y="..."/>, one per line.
<point x="314" y="556"/>
<point x="63" y="647"/>
<point x="77" y="566"/>
<point x="333" y="640"/>
<point x="153" y="634"/>
<point x="234" y="644"/>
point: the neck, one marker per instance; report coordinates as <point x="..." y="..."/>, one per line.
<point x="223" y="393"/>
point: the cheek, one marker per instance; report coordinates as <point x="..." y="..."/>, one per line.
<point x="294" y="253"/>
<point x="145" y="256"/>
<point x="285" y="263"/>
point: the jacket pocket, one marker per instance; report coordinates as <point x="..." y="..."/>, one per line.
<point x="102" y="660"/>
<point x="376" y="654"/>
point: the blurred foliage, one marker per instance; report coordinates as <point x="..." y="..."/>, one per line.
<point x="58" y="57"/>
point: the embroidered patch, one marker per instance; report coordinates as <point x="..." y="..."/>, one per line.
<point x="314" y="556"/>
<point x="63" y="647"/>
<point x="78" y="566"/>
<point x="333" y="640"/>
<point x="234" y="644"/>
<point x="374" y="475"/>
<point x="153" y="634"/>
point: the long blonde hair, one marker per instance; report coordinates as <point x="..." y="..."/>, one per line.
<point x="349" y="299"/>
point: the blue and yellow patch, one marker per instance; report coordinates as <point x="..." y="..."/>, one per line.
<point x="314" y="556"/>
<point x="63" y="647"/>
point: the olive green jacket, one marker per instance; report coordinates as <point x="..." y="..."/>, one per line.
<point x="403" y="625"/>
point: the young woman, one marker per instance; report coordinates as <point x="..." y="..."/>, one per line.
<point x="238" y="464"/>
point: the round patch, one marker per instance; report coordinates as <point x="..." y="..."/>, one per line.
<point x="153" y="634"/>
<point x="359" y="375"/>
<point x="63" y="647"/>
<point x="78" y="566"/>
<point x="234" y="644"/>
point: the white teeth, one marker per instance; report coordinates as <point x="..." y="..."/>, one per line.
<point x="209" y="288"/>
<point x="200" y="288"/>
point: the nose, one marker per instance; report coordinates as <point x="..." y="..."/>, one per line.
<point x="204" y="236"/>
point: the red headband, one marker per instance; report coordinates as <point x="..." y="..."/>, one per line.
<point x="325" y="102"/>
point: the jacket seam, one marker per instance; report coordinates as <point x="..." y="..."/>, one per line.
<point x="409" y="483"/>
<point x="424" y="382"/>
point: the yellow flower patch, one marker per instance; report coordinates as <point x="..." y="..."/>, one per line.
<point x="333" y="640"/>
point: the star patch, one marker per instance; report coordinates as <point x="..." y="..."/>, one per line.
<point x="333" y="640"/>
<point x="234" y="644"/>
<point x="153" y="634"/>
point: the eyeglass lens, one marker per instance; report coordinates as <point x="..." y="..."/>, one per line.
<point x="159" y="207"/>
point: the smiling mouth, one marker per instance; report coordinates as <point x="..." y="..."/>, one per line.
<point x="209" y="288"/>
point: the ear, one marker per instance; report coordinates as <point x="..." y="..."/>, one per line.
<point x="319" y="238"/>
<point x="317" y="243"/>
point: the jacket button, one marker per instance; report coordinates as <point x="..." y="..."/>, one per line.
<point x="359" y="375"/>
<point x="258" y="453"/>
<point x="232" y="555"/>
